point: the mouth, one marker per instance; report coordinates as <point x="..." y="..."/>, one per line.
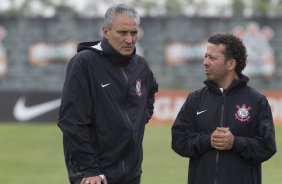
<point x="127" y="48"/>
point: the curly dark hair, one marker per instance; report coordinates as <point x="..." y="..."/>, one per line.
<point x="234" y="49"/>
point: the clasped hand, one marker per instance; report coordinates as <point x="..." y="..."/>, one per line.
<point x="222" y="139"/>
<point x="94" y="180"/>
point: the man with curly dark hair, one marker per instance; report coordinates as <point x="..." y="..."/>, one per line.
<point x="225" y="128"/>
<point x="234" y="49"/>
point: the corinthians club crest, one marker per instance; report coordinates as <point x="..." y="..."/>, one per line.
<point x="138" y="87"/>
<point x="243" y="114"/>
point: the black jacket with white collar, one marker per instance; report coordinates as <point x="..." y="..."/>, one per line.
<point x="107" y="99"/>
<point x="248" y="115"/>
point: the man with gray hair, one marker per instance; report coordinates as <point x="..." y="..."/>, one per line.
<point x="107" y="99"/>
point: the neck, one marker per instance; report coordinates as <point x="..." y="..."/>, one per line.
<point x="113" y="55"/>
<point x="227" y="81"/>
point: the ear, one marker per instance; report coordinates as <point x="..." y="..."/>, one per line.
<point x="105" y="32"/>
<point x="232" y="64"/>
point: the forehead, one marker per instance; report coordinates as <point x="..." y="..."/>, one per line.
<point x="123" y="21"/>
<point x="215" y="49"/>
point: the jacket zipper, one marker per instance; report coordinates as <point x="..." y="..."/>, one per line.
<point x="221" y="125"/>
<point x="126" y="115"/>
<point x="123" y="169"/>
<point x="126" y="79"/>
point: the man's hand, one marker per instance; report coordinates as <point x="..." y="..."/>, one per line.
<point x="222" y="139"/>
<point x="94" y="180"/>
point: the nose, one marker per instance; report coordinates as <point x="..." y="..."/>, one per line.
<point x="206" y="61"/>
<point x="129" y="38"/>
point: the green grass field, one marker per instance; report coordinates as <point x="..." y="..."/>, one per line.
<point x="32" y="153"/>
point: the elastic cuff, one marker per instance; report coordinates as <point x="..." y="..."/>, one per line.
<point x="206" y="142"/>
<point x="102" y="176"/>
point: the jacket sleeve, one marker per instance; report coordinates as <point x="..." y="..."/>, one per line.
<point x="75" y="121"/>
<point x="261" y="146"/>
<point x="186" y="140"/>
<point x="151" y="95"/>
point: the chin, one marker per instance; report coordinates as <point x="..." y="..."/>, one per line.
<point x="209" y="79"/>
<point x="126" y="53"/>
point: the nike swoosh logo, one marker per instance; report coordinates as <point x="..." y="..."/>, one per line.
<point x="200" y="112"/>
<point x="24" y="113"/>
<point x="105" y="85"/>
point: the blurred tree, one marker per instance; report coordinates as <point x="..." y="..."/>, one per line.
<point x="261" y="7"/>
<point x="90" y="8"/>
<point x="150" y="7"/>
<point x="25" y="8"/>
<point x="174" y="7"/>
<point x="197" y="6"/>
<point x="277" y="8"/>
<point x="238" y="7"/>
<point x="267" y="7"/>
<point x="62" y="9"/>
<point x="33" y="8"/>
<point x="168" y="7"/>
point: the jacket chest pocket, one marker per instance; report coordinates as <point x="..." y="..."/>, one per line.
<point x="207" y="120"/>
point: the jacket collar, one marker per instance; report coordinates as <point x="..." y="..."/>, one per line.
<point x="234" y="86"/>
<point x="113" y="55"/>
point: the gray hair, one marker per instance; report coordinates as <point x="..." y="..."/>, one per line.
<point x="117" y="9"/>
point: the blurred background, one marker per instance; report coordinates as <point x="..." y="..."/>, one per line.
<point x="38" y="38"/>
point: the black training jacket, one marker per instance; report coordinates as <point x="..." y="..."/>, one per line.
<point x="107" y="99"/>
<point x="249" y="117"/>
